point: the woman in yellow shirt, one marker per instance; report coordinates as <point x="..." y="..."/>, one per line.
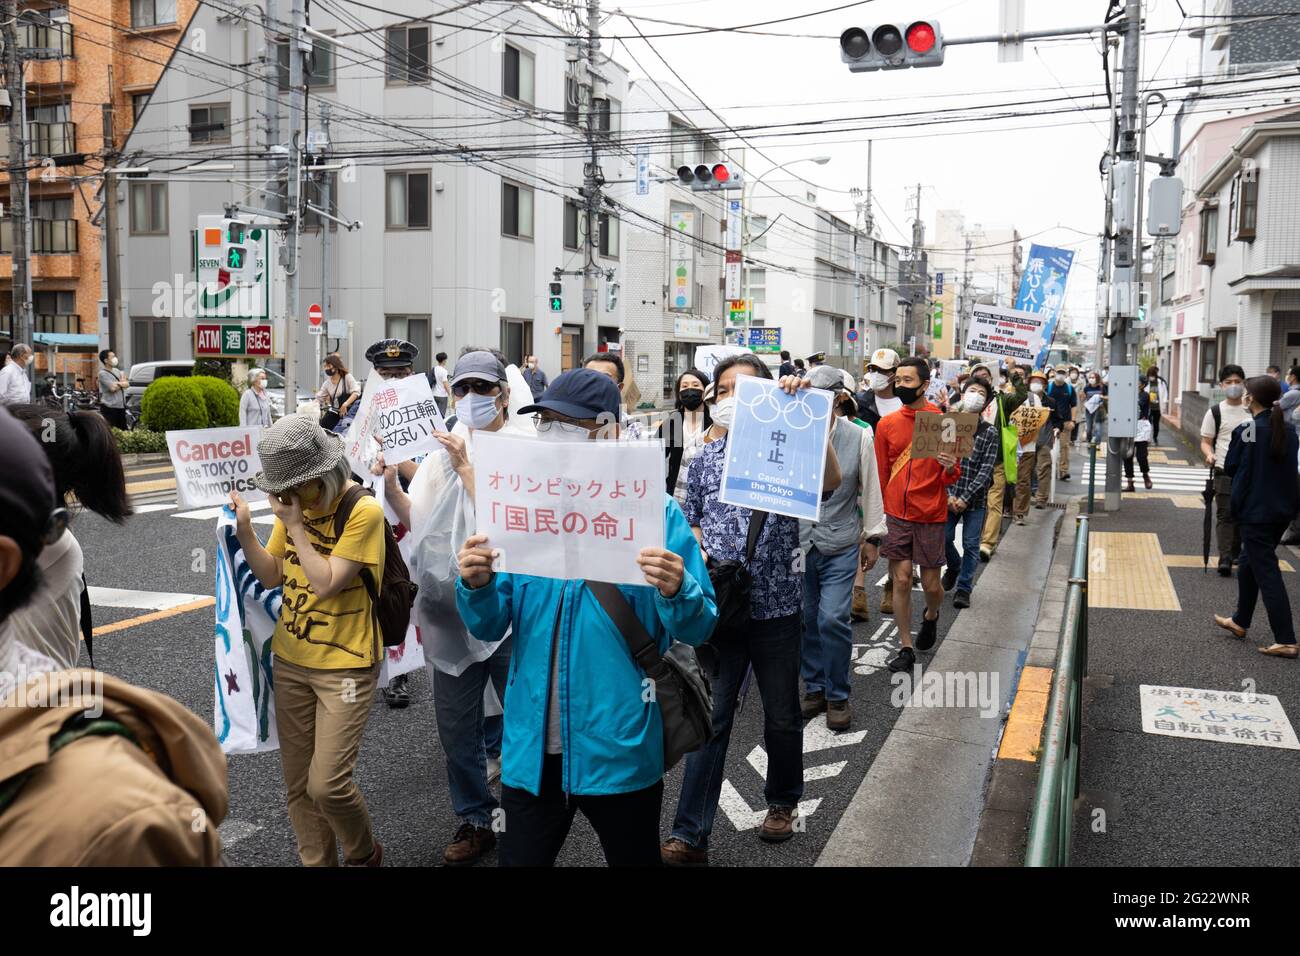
<point x="326" y="644"/>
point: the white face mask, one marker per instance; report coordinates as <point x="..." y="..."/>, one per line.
<point x="972" y="401"/>
<point x="1234" y="391"/>
<point x="724" y="412"/>
<point x="1035" y="387"/>
<point x="113" y="362"/>
<point x="477" y="411"/>
<point x="564" y="431"/>
<point x="878" y="381"/>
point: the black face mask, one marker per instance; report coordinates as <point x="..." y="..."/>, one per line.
<point x="691" y="398"/>
<point x="906" y="395"/>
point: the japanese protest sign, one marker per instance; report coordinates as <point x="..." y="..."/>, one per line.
<point x="954" y="433"/>
<point x="1029" y="422"/>
<point x="403" y="414"/>
<point x="408" y="655"/>
<point x="210" y="463"/>
<point x="569" y="510"/>
<point x="776" y="451"/>
<point x="1042" y="289"/>
<point x="707" y="356"/>
<point x="995" y="330"/>
<point x="1232" y="717"/>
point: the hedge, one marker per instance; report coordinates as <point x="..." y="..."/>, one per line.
<point x="139" y="442"/>
<point x="221" y="399"/>
<point x="173" y="403"/>
<point x="222" y="368"/>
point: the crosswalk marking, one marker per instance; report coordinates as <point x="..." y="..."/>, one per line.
<point x="148" y="600"/>
<point x="207" y="514"/>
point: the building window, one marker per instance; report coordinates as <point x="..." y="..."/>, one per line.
<point x="1225" y="347"/>
<point x="516" y="340"/>
<point x="138" y="102"/>
<point x="683" y="141"/>
<point x="313" y="193"/>
<point x="152" y="13"/>
<point x="210" y="123"/>
<point x="1245" y="204"/>
<point x="1209" y="362"/>
<point x="1209" y="231"/>
<point x="758" y="285"/>
<point x="408" y="200"/>
<point x="606" y="114"/>
<point x="408" y="54"/>
<point x="609" y="235"/>
<point x="318" y="71"/>
<point x="517" y="74"/>
<point x="572" y="101"/>
<point x="758" y="231"/>
<point x="148" y="209"/>
<point x="150" y="340"/>
<point x="516" y="210"/>
<point x="572" y="216"/>
<point x="414" y="329"/>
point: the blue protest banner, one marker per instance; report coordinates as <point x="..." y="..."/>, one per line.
<point x="1042" y="288"/>
<point x="776" y="451"/>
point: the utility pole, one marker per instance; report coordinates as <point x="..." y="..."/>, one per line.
<point x="325" y="227"/>
<point x="960" y="340"/>
<point x="113" y="279"/>
<point x="857" y="278"/>
<point x="271" y="90"/>
<point x="19" y="201"/>
<point x="914" y="283"/>
<point x="592" y="180"/>
<point x="869" y="226"/>
<point x="294" y="208"/>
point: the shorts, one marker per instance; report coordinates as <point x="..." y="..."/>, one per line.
<point x="922" y="544"/>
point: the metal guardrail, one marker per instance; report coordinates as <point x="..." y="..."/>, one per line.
<point x="1058" y="776"/>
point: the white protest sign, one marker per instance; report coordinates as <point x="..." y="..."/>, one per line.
<point x="995" y="330"/>
<point x="707" y="356"/>
<point x="1230" y="717"/>
<point x="569" y="510"/>
<point x="402" y="413"/>
<point x="210" y="463"/>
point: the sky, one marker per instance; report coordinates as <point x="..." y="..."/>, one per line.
<point x="1038" y="173"/>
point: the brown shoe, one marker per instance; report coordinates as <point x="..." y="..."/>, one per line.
<point x="812" y="705"/>
<point x="1129" y="486"/>
<point x="1231" y="626"/>
<point x="468" y="845"/>
<point x="860" y="611"/>
<point x="778" y="825"/>
<point x="839" y="715"/>
<point x="675" y="852"/>
<point x="887" y="597"/>
<point x="1291" y="651"/>
<point x="1146" y="480"/>
<point x="376" y="858"/>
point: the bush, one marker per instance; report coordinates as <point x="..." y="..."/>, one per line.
<point x="174" y="404"/>
<point x="222" y="368"/>
<point x="139" y="442"/>
<point x="221" y="399"/>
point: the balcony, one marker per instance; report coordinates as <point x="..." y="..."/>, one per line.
<point x="51" y="139"/>
<point x="49" y="236"/>
<point x="65" y="324"/>
<point x="50" y="61"/>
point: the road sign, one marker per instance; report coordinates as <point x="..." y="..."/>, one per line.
<point x="938" y="283"/>
<point x="314" y="316"/>
<point x="735" y="226"/>
<point x="851" y="335"/>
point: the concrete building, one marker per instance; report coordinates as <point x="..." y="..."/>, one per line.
<point x="1247" y="36"/>
<point x="989" y="273"/>
<point x="81" y="58"/>
<point x="461" y="156"/>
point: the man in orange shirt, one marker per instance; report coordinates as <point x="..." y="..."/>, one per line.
<point x="916" y="510"/>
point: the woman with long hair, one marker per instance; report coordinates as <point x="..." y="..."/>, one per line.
<point x="684" y="429"/>
<point x="1261" y="462"/>
<point x="338" y="394"/>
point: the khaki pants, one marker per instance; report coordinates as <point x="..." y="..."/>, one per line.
<point x="1040" y="461"/>
<point x="1067" y="438"/>
<point x="993" y="514"/>
<point x="320" y="716"/>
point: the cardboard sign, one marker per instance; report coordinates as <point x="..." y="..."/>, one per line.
<point x="210" y="463"/>
<point x="934" y="434"/>
<point x="1029" y="422"/>
<point x="402" y="414"/>
<point x="569" y="510"/>
<point x="776" y="450"/>
<point x="995" y="330"/>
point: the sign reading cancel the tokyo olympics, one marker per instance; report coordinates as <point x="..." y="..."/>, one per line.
<point x="776" y="452"/>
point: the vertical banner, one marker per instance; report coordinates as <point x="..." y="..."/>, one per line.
<point x="1042" y="289"/>
<point x="681" y="260"/>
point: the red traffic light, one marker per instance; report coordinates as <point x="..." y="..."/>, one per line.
<point x="920" y="37"/>
<point x="720" y="173"/>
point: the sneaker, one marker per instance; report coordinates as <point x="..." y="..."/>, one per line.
<point x="1067" y="476"/>
<point x="928" y="633"/>
<point x="903" y="661"/>
<point x="493" y="769"/>
<point x="376" y="858"/>
<point x="675" y="852"/>
<point x="812" y="704"/>
<point x="1020" y="519"/>
<point x="778" y="825"/>
<point x="986" y="555"/>
<point x="469" y="845"/>
<point x="839" y="715"/>
<point x="860" y="611"/>
<point x="950" y="578"/>
<point x="887" y="598"/>
<point x="396" y="695"/>
<point x="961" y="599"/>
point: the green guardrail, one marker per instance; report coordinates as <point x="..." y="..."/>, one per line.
<point x="1058" y="776"/>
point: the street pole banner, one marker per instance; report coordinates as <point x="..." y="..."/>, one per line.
<point x="246" y="615"/>
<point x="210" y="463"/>
<point x="707" y="356"/>
<point x="1012" y="333"/>
<point x="409" y="655"/>
<point x="1042" y="289"/>
<point x="776" y="449"/>
<point x="954" y="433"/>
<point x="569" y="510"/>
<point x="681" y="281"/>
<point x="403" y="415"/>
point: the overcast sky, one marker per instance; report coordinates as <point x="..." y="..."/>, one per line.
<point x="1036" y="173"/>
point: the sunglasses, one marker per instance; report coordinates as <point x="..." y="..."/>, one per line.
<point x="476" y="385"/>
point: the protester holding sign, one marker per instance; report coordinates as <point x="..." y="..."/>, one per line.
<point x="326" y="647"/>
<point x="998" y="414"/>
<point x="967" y="497"/>
<point x="1038" y="421"/>
<point x="581" y="731"/>
<point x="916" y="510"/>
<point x="767" y="638"/>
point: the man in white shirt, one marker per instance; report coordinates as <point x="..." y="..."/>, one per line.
<point x="1216" y="435"/>
<point x="439" y="383"/>
<point x="15" y="386"/>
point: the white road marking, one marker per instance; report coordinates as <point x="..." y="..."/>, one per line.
<point x="758" y="760"/>
<point x="232" y="831"/>
<point x="148" y="600"/>
<point x="744" y="817"/>
<point x="204" y="514"/>
<point x="149" y="509"/>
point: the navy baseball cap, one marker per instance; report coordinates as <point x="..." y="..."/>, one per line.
<point x="579" y="393"/>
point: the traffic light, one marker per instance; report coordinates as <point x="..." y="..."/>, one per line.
<point x="709" y="178"/>
<point x="557" y="297"/>
<point x="226" y="251"/>
<point x="611" y="296"/>
<point x="892" y="46"/>
<point x="238" y="257"/>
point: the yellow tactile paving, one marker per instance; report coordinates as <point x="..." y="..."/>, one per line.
<point x="1179" y="501"/>
<point x="141" y="487"/>
<point x="1024" y="728"/>
<point x="1196" y="561"/>
<point x="1127" y="570"/>
<point x="140" y="472"/>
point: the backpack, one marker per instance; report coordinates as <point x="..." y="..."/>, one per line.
<point x="392" y="606"/>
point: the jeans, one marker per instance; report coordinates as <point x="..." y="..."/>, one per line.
<point x="468" y="738"/>
<point x="1258" y="574"/>
<point x="827" y="629"/>
<point x="972" y="523"/>
<point x="627" y="824"/>
<point x="772" y="647"/>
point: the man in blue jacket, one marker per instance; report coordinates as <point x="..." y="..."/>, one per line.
<point x="581" y="731"/>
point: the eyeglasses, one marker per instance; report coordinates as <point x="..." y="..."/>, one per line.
<point x="478" y="386"/>
<point x="400" y="372"/>
<point x="544" y="425"/>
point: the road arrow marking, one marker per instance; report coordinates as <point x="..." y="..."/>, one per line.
<point x="758" y="760"/>
<point x="744" y="817"/>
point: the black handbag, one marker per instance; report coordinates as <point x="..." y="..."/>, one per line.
<point x="681" y="687"/>
<point x="732" y="582"/>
